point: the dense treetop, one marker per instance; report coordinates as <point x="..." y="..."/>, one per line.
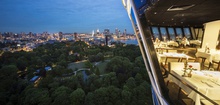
<point x="123" y="82"/>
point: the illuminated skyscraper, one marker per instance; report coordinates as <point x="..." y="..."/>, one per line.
<point x="60" y="35"/>
<point x="106" y="32"/>
<point x="107" y="35"/>
<point x="97" y="32"/>
<point x="125" y="33"/>
<point x="76" y="36"/>
<point x="117" y="32"/>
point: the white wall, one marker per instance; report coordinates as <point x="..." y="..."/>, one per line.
<point x="211" y="34"/>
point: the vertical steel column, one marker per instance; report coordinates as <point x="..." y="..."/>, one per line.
<point x="152" y="63"/>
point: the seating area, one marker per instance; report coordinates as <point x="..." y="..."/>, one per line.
<point x="176" y="62"/>
<point x="209" y="59"/>
<point x="202" y="88"/>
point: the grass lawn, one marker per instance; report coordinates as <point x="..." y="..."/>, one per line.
<point x="102" y="66"/>
<point x="76" y="65"/>
<point x="80" y="64"/>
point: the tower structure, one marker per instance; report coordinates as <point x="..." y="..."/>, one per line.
<point x="107" y="35"/>
<point x="76" y="36"/>
<point x="97" y="32"/>
<point x="117" y="32"/>
<point x="60" y="35"/>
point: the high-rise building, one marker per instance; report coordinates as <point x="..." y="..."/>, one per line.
<point x="106" y="32"/>
<point x="11" y="35"/>
<point x="30" y="34"/>
<point x="117" y="32"/>
<point x="60" y="35"/>
<point x="97" y="32"/>
<point x="76" y="36"/>
<point x="1" y="36"/>
<point x="22" y="34"/>
<point x="107" y="35"/>
<point x="125" y="32"/>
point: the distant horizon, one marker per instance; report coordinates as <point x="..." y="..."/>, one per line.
<point x="63" y="16"/>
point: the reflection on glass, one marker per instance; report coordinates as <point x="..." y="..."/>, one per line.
<point x="187" y="33"/>
<point x="179" y="32"/>
<point x="171" y="33"/>
<point x="163" y="33"/>
<point x="155" y="32"/>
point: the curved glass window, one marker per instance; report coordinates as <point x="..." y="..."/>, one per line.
<point x="155" y="32"/>
<point x="187" y="33"/>
<point x="179" y="32"/>
<point x="163" y="32"/>
<point x="171" y="33"/>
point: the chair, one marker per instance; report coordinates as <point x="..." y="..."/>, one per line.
<point x="202" y="62"/>
<point x="191" y="59"/>
<point x="172" y="51"/>
<point x="213" y="94"/>
<point x="195" y="65"/>
<point x="216" y="60"/>
<point x="174" y="66"/>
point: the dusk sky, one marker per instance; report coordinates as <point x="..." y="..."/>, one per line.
<point x="68" y="16"/>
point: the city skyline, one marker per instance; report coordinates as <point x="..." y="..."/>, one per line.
<point x="66" y="16"/>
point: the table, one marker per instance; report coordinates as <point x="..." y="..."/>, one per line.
<point x="165" y="49"/>
<point x="162" y="57"/>
<point x="172" y="43"/>
<point x="195" y="42"/>
<point x="209" y="56"/>
<point x="200" y="80"/>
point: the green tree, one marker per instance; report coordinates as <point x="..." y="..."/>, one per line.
<point x="126" y="97"/>
<point x="35" y="96"/>
<point x="60" y="70"/>
<point x="88" y="64"/>
<point x="90" y="99"/>
<point x="113" y="94"/>
<point x="99" y="57"/>
<point x="62" y="63"/>
<point x="77" y="97"/>
<point x="9" y="71"/>
<point x="101" y="96"/>
<point x="130" y="83"/>
<point x="22" y="63"/>
<point x="138" y="79"/>
<point x="46" y="58"/>
<point x="8" y="77"/>
<point x="62" y="99"/>
<point x="72" y="58"/>
<point x="139" y="62"/>
<point x="71" y="83"/>
<point x="46" y="81"/>
<point x="60" y="95"/>
<point x="53" y="86"/>
<point x="97" y="72"/>
<point x="119" y="64"/>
